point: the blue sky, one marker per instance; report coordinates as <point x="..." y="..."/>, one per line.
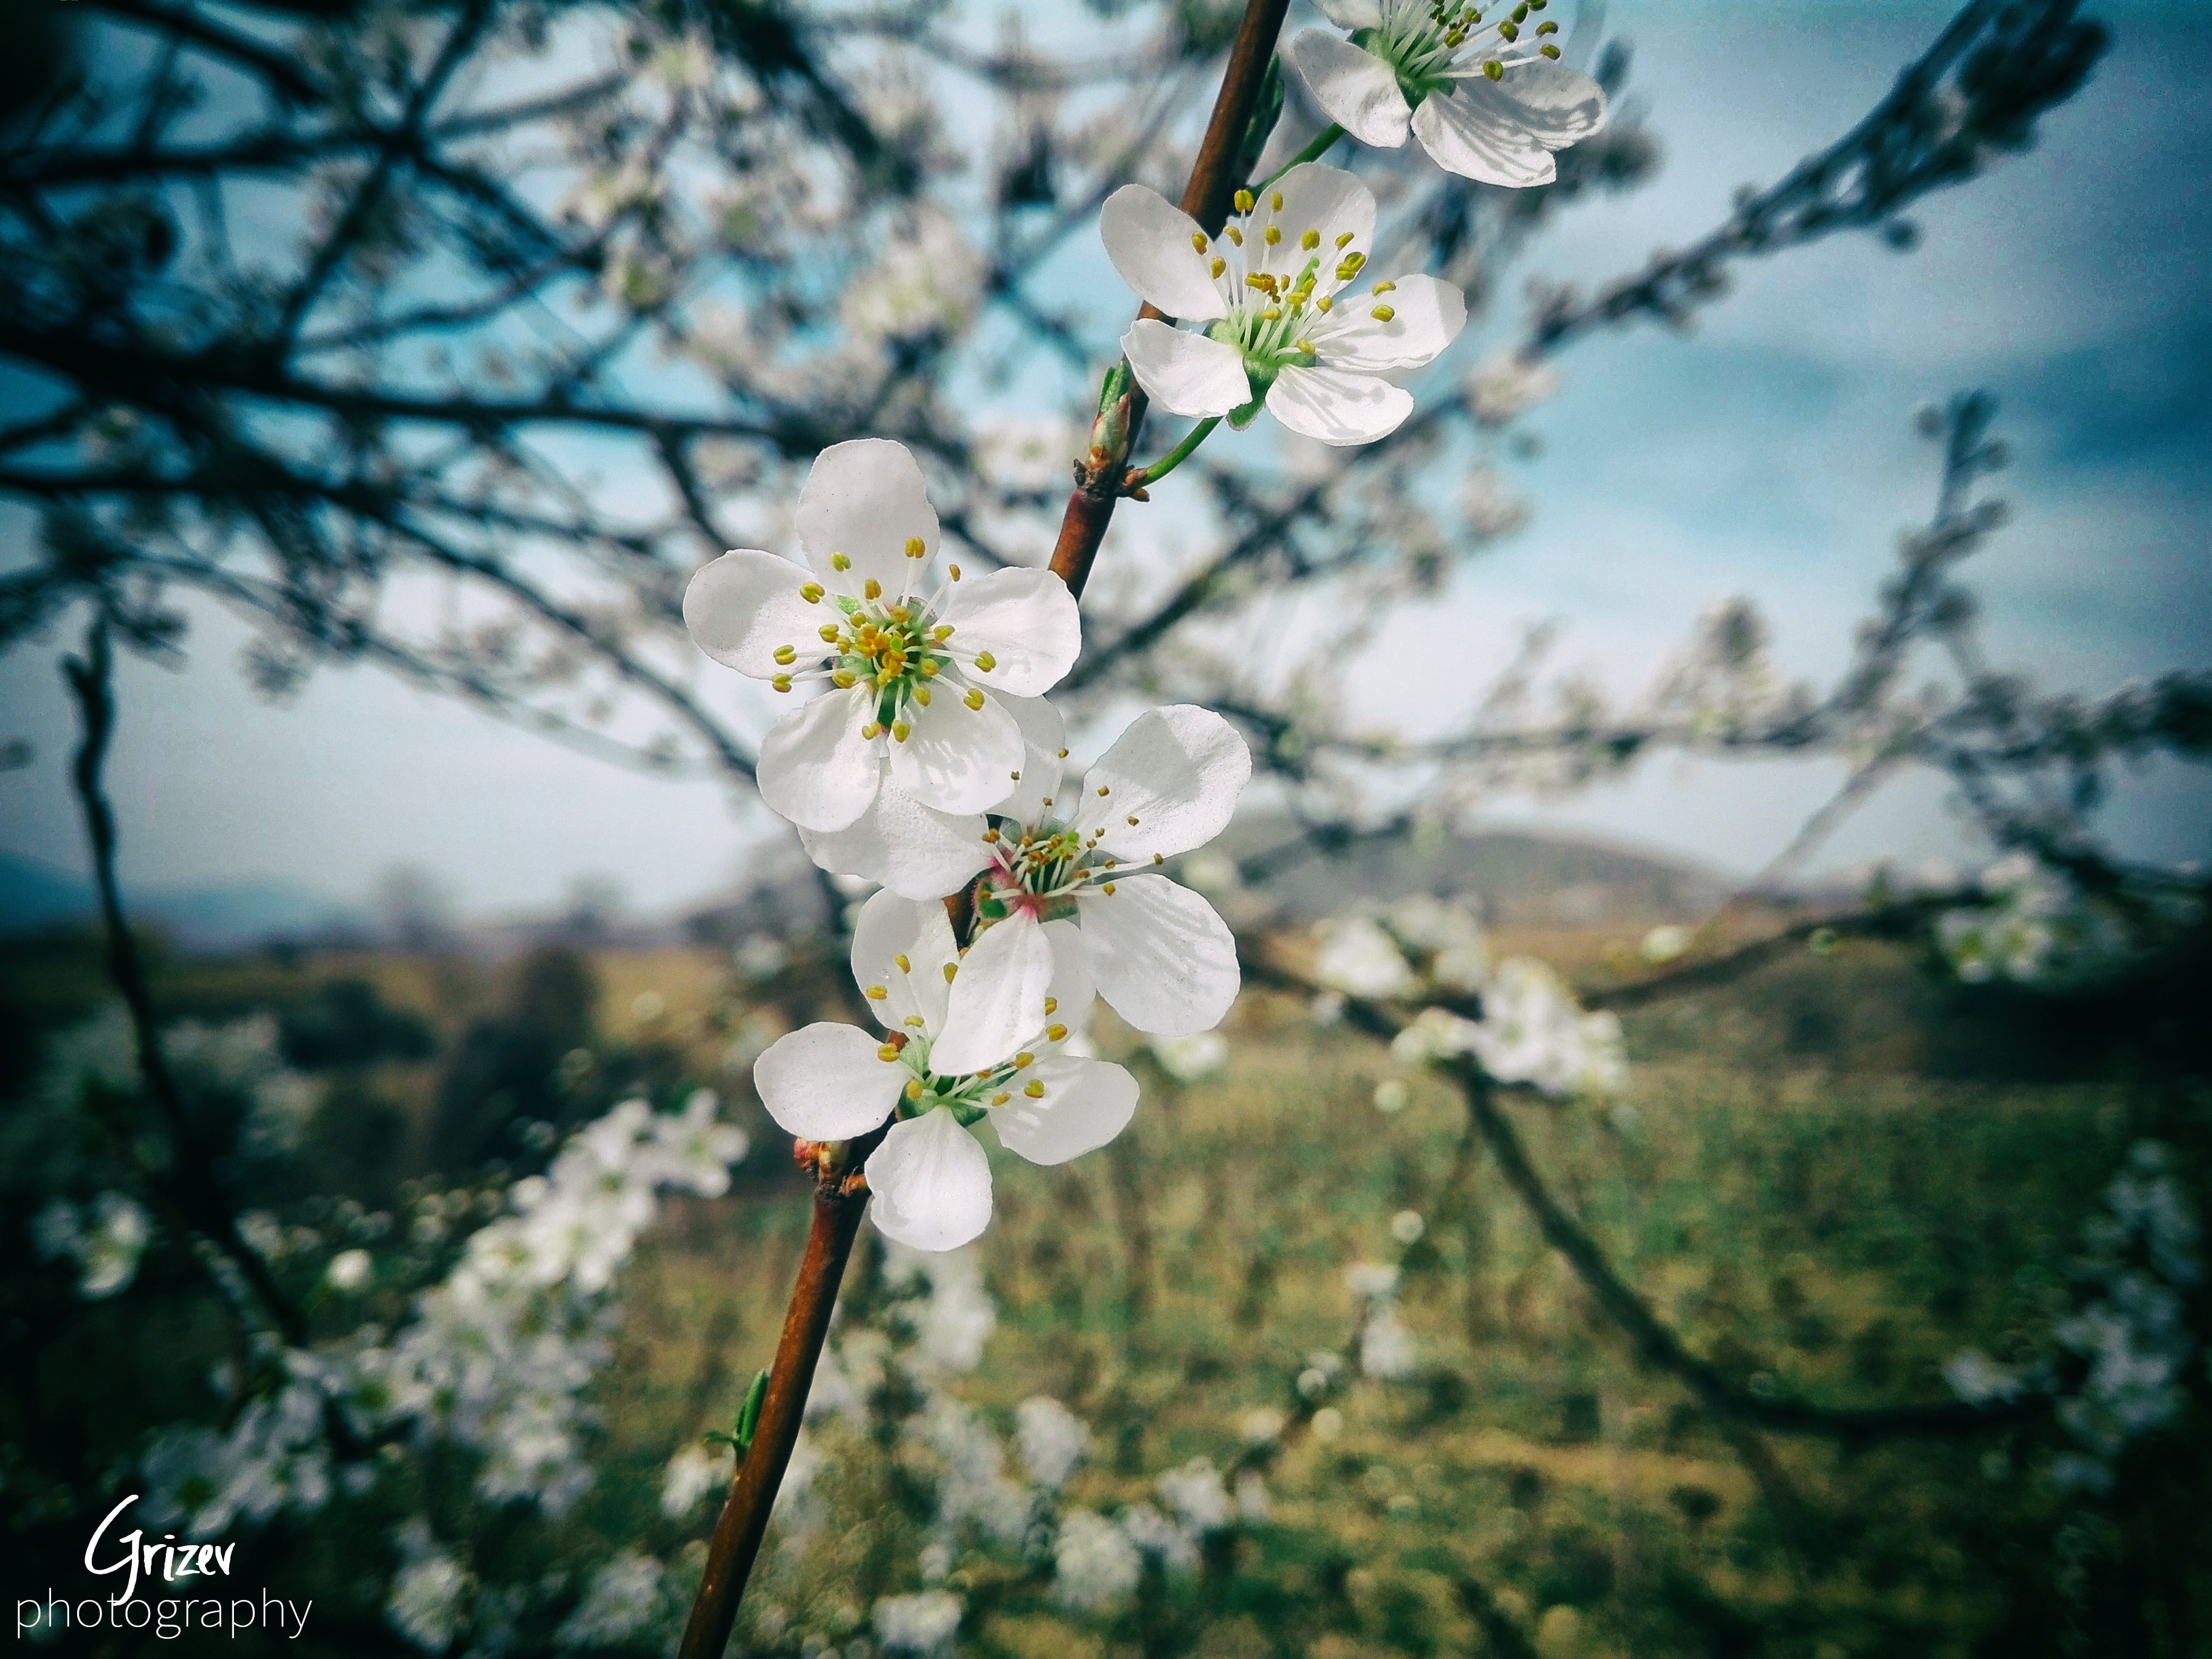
<point x="1770" y="452"/>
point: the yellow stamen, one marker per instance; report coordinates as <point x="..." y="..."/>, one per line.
<point x="1310" y="240"/>
<point x="1034" y="1088"/>
<point x="921" y="696"/>
<point x="901" y="731"/>
<point x="1344" y="241"/>
<point x="904" y="966"/>
<point x="1274" y="234"/>
<point x="889" y="1051"/>
<point x="1275" y="200"/>
<point x="1243" y="201"/>
<point x="914" y="1089"/>
<point x="1218" y="267"/>
<point x="916" y="548"/>
<point x="878" y="993"/>
<point x="811" y="592"/>
<point x="1103" y="788"/>
<point x="1052" y="1004"/>
<point x="844" y="680"/>
<point x="828" y="633"/>
<point x="1055" y="1033"/>
<point x="839" y="562"/>
<point x="1023" y="1059"/>
<point x="869" y="732"/>
<point x="1000" y="1098"/>
<point x="986" y="661"/>
<point x="781" y="682"/>
<point x="1198" y="240"/>
<point x="1107" y="889"/>
<point x="1383" y="313"/>
<point x="871" y="589"/>
<point x="974" y="699"/>
<point x="1385" y="288"/>
<point x="953" y="570"/>
<point x="951" y="969"/>
<point x="1235" y="235"/>
<point x="786" y="656"/>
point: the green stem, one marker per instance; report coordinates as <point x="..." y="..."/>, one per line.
<point x="1313" y="152"/>
<point x="1175" y="457"/>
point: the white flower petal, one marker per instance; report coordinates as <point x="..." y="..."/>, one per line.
<point x="1044" y="735"/>
<point x="1085" y="1103"/>
<point x="1162" y="959"/>
<point x="1148" y="238"/>
<point x="997" y="1002"/>
<point x="1350" y="14"/>
<point x="932" y="1184"/>
<point x="1338" y="406"/>
<point x="815" y="768"/>
<point x="744" y="604"/>
<point x="1178" y="771"/>
<point x="864" y="499"/>
<point x="1355" y="89"/>
<point x="1504" y="131"/>
<point x="1185" y="373"/>
<point x="915" y="850"/>
<point x="827" y="1082"/>
<point x="1327" y="201"/>
<point x="1426" y="315"/>
<point x="890" y="927"/>
<point x="957" y="759"/>
<point x="1072" y="991"/>
<point x="1027" y="621"/>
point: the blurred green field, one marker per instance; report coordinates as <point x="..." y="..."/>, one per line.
<point x="1828" y="1178"/>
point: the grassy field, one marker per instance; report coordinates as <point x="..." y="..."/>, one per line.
<point x="1826" y="1179"/>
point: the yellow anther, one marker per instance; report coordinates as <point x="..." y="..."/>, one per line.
<point x="1323" y="303"/>
<point x="828" y="633"/>
<point x="986" y="661"/>
<point x="781" y="682"/>
<point x="1548" y="50"/>
<point x="1016" y="777"/>
<point x="1131" y="823"/>
<point x="1000" y="1098"/>
<point x="1275" y="200"/>
<point x="1218" y="267"/>
<point x="921" y="696"/>
<point x="1055" y="1033"/>
<point x="1159" y="858"/>
<point x="953" y="570"/>
<point x="899" y="613"/>
<point x="990" y="835"/>
<point x="974" y="699"/>
<point x="1063" y="753"/>
<point x="1344" y="240"/>
<point x="1235" y="235"/>
<point x="839" y="562"/>
<point x="889" y="1051"/>
<point x="1383" y="313"/>
<point x="1103" y="788"/>
<point x="1243" y="201"/>
<point x="1271" y="315"/>
<point x="1385" y="288"/>
<point x="1273" y="234"/>
<point x="929" y="669"/>
<point x="1107" y="889"/>
<point x="870" y="731"/>
<point x="1023" y="1059"/>
<point x="844" y="680"/>
<point x="914" y="1089"/>
<point x="1052" y="1004"/>
<point x="878" y="993"/>
<point x="811" y="592"/>
<point x="1305" y="346"/>
<point x="1494" y="69"/>
<point x="914" y="1020"/>
<point x="1198" y="240"/>
<point x="904" y="966"/>
<point x="951" y="969"/>
<point x="1034" y="1088"/>
<point x="871" y="589"/>
<point x="941" y="633"/>
<point x="786" y="656"/>
<point x="901" y="731"/>
<point x="916" y="548"/>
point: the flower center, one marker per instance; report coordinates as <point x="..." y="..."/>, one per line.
<point x="896" y="649"/>
<point x="1423" y="40"/>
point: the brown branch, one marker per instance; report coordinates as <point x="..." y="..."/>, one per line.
<point x="839" y="1200"/>
<point x="1205" y="198"/>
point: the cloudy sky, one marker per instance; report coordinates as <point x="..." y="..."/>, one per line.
<point x="1770" y="453"/>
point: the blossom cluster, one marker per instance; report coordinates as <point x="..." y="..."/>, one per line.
<point x="930" y="763"/>
<point x="2033" y="927"/>
<point x="2120" y="1349"/>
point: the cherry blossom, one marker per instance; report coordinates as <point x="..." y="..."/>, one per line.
<point x="1282" y="326"/>
<point x="912" y="714"/>
<point x="1485" y="103"/>
<point x="947" y="1063"/>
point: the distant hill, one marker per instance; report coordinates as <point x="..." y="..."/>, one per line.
<point x="221" y="916"/>
<point x="1523" y="879"/>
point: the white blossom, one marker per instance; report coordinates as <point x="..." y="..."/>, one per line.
<point x="955" y="1316"/>
<point x="1506" y="383"/>
<point x="1359" y="959"/>
<point x="350" y="1270"/>
<point x="1195" y="1493"/>
<point x="425" y="1602"/>
<point x="691" y="1475"/>
<point x="1093" y="1561"/>
<point x="924" y="1624"/>
<point x="1386" y="1344"/>
<point x="623" y="1599"/>
<point x="1060" y="851"/>
<point x="105" y="1238"/>
<point x="1191" y="1059"/>
<point x="1485" y="103"/>
<point x="912" y="722"/>
<point x="1281" y="327"/>
<point x="1532" y="1032"/>
<point x="951" y="1059"/>
<point x="1052" y="1438"/>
